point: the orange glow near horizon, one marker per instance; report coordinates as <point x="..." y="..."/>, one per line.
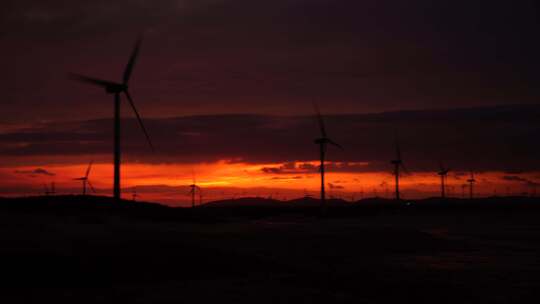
<point x="166" y="182"/>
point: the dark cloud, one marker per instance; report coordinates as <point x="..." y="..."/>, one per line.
<point x="460" y="175"/>
<point x="299" y="168"/>
<point x="268" y="56"/>
<point x="516" y="178"/>
<point x="291" y="168"/>
<point x="38" y="171"/>
<point x="499" y="138"/>
<point x="286" y="178"/>
<point x="334" y="186"/>
<point x="272" y="170"/>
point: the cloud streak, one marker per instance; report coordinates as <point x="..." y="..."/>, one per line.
<point x="481" y="139"/>
<point x="38" y="171"/>
<point x="515" y="178"/>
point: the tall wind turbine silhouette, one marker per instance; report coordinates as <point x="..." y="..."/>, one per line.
<point x="443" y="173"/>
<point x="117" y="89"/>
<point x="471" y="182"/>
<point x="323" y="142"/>
<point x="85" y="181"/>
<point x="398" y="165"/>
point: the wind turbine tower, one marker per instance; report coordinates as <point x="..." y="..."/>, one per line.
<point x="471" y="182"/>
<point x="323" y="142"/>
<point x="51" y="191"/>
<point x="134" y="195"/>
<point x="443" y="173"/>
<point x="193" y="191"/>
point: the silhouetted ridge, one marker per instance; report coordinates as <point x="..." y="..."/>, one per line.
<point x="98" y="206"/>
<point x="313" y="202"/>
<point x="246" y="202"/>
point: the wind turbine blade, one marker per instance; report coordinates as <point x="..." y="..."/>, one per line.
<point x="396" y="143"/>
<point x="320" y="119"/>
<point x="140" y="120"/>
<point x="398" y="150"/>
<point x="132" y="60"/>
<point x="91" y="80"/>
<point x="335" y="144"/>
<point x="441" y="166"/>
<point x="91" y="187"/>
<point x="88" y="169"/>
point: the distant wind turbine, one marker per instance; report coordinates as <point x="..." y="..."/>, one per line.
<point x="533" y="185"/>
<point x="398" y="165"/>
<point x="384" y="187"/>
<point x="451" y="191"/>
<point x="471" y="182"/>
<point x="51" y="191"/>
<point x="193" y="192"/>
<point x="134" y="195"/>
<point x="443" y="173"/>
<point x="323" y="142"/>
<point x="117" y="89"/>
<point x="85" y="181"/>
<point x="463" y="190"/>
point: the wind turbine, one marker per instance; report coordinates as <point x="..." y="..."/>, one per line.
<point x="85" y="181"/>
<point x="443" y="173"/>
<point x="323" y="142"/>
<point x="52" y="191"/>
<point x="117" y="89"/>
<point x="193" y="191"/>
<point x="533" y="185"/>
<point x="384" y="187"/>
<point x="398" y="164"/>
<point x="471" y="182"/>
<point x="134" y="195"/>
<point x="463" y="190"/>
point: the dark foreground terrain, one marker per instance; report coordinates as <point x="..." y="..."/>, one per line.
<point x="91" y="250"/>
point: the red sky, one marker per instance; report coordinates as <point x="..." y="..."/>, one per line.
<point x="169" y="183"/>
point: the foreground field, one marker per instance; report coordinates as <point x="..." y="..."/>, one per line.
<point x="97" y="254"/>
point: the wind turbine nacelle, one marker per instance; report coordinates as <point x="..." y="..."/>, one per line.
<point x="112" y="89"/>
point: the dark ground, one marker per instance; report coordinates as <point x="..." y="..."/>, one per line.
<point x="90" y="250"/>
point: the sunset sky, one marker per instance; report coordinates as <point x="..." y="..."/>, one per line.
<point x="225" y="88"/>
